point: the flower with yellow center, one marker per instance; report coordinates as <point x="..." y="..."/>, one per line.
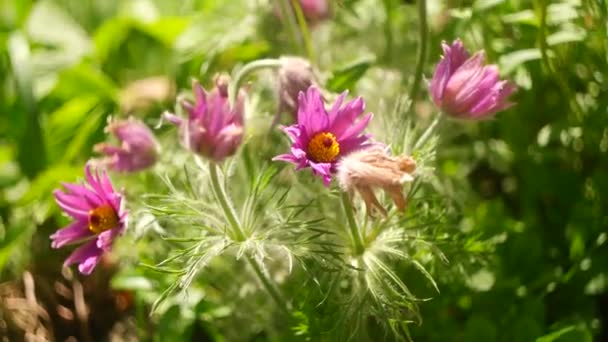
<point x="102" y="218"/>
<point x="99" y="217"/>
<point x="321" y="137"/>
<point x="323" y="147"/>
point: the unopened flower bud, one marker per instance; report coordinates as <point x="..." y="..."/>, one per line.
<point x="465" y="87"/>
<point x="213" y="129"/>
<point x="295" y="75"/>
<point x="315" y="10"/>
<point x="138" y="148"/>
<point x="365" y="170"/>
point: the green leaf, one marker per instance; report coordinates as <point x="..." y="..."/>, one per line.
<point x="131" y="282"/>
<point x="42" y="186"/>
<point x="66" y="122"/>
<point x="31" y="152"/>
<point x="566" y="36"/>
<point x="481" y="5"/>
<point x="572" y="333"/>
<point x="345" y="78"/>
<point x="512" y="60"/>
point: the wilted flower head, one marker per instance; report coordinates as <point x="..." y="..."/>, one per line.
<point x="138" y="148"/>
<point x="363" y="171"/>
<point x="320" y="138"/>
<point x="99" y="216"/>
<point x="295" y="75"/>
<point x="213" y="129"/>
<point x="464" y="87"/>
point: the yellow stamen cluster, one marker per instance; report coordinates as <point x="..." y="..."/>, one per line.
<point x="102" y="218"/>
<point x="323" y="148"/>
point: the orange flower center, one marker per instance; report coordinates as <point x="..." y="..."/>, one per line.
<point x="102" y="218"/>
<point x="323" y="147"/>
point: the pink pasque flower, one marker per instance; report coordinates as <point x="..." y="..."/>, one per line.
<point x="99" y="217"/>
<point x="464" y="87"/>
<point x="213" y="129"/>
<point x="138" y="149"/>
<point x="315" y="10"/>
<point x="321" y="138"/>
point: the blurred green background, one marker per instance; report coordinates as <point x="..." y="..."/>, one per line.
<point x="527" y="184"/>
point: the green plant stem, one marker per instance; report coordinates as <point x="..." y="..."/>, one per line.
<point x="544" y="51"/>
<point x="421" y="57"/>
<point x="239" y="235"/>
<point x="268" y="285"/>
<point x="303" y="29"/>
<point x="355" y="235"/>
<point x="292" y="25"/>
<point x="218" y="190"/>
<point x="247" y="69"/>
<point x="428" y="132"/>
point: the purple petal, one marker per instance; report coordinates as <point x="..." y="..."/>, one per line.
<point x="347" y="116"/>
<point x="74" y="207"/>
<point x="356" y="128"/>
<point x="453" y="57"/>
<point x="75" y="232"/>
<point x="335" y="109"/>
<point x="106" y="238"/>
<point x="87" y="256"/>
<point x="311" y="111"/>
<point x="322" y="170"/>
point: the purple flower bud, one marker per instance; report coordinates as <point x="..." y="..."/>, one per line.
<point x="464" y="87"/>
<point x="315" y="10"/>
<point x="213" y="129"/>
<point x="138" y="148"/>
<point x="295" y="75"/>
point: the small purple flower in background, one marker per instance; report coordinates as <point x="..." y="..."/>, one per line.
<point x="315" y="10"/>
<point x="295" y="75"/>
<point x="213" y="129"/>
<point x="138" y="148"/>
<point x="464" y="87"/>
<point x="99" y="216"/>
<point x="321" y="138"/>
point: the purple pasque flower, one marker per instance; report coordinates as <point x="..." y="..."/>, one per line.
<point x="321" y="138"/>
<point x="99" y="217"/>
<point x="464" y="87"/>
<point x="138" y="149"/>
<point x="212" y="129"/>
<point x="315" y="10"/>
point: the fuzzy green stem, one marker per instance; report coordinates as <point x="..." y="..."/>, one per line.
<point x="421" y="57"/>
<point x="268" y="285"/>
<point x="292" y="24"/>
<point x="355" y="235"/>
<point x="239" y="235"/>
<point x="428" y="132"/>
<point x="235" y="84"/>
<point x="218" y="190"/>
<point x="303" y="29"/>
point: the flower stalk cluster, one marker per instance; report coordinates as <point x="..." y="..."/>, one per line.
<point x="330" y="140"/>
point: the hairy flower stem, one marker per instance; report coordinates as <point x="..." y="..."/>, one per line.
<point x="303" y="29"/>
<point x="355" y="235"/>
<point x="421" y="57"/>
<point x="235" y="84"/>
<point x="218" y="190"/>
<point x="287" y="14"/>
<point x="239" y="235"/>
<point x="428" y="132"/>
<point x="268" y="285"/>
